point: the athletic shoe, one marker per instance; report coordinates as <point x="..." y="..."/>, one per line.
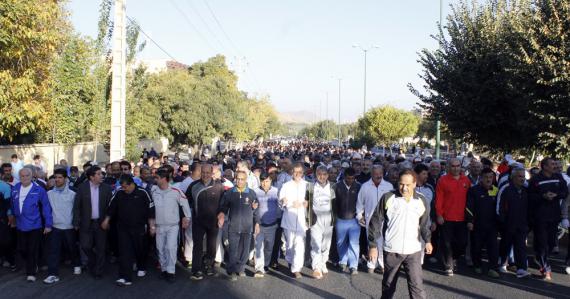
<point x="163" y="275"/>
<point x="478" y="270"/>
<point x="123" y="282"/>
<point x="503" y="269"/>
<point x="342" y="267"/>
<point x="493" y="274"/>
<point x="51" y="279"/>
<point x="547" y="276"/>
<point x="141" y="273"/>
<point x="258" y="274"/>
<point x="317" y="274"/>
<point x="353" y="271"/>
<point x="568" y="270"/>
<point x="241" y="274"/>
<point x="555" y="250"/>
<point x="197" y="276"/>
<point x="449" y="272"/>
<point x="370" y="270"/>
<point x="31" y="278"/>
<point x="521" y="273"/>
<point x="325" y="270"/>
<point x="76" y="270"/>
<point x="380" y="270"/>
<point x="233" y="277"/>
<point x="210" y="271"/>
<point x="6" y="264"/>
<point x="297" y="275"/>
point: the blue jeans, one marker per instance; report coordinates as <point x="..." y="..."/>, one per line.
<point x="347" y="242"/>
<point x="57" y="238"/>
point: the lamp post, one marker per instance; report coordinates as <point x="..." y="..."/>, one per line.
<point x="438" y="123"/>
<point x="365" y="51"/>
<point x="339" y="133"/>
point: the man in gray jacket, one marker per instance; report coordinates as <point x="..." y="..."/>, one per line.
<point x="167" y="201"/>
<point x="61" y="200"/>
<point x="401" y="217"/>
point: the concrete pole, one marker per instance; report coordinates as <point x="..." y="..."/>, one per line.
<point x="118" y="91"/>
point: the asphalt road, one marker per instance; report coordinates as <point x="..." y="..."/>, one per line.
<point x="279" y="284"/>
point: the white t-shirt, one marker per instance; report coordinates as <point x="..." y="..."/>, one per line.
<point x="23" y="193"/>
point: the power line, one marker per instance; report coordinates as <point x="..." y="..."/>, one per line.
<point x="147" y="36"/>
<point x="222" y="28"/>
<point x="197" y="12"/>
<point x="192" y="25"/>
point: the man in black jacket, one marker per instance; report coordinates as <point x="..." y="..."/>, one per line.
<point x="481" y="219"/>
<point x="513" y="211"/>
<point x="240" y="205"/>
<point x="132" y="209"/>
<point x="91" y="201"/>
<point x="347" y="229"/>
<point x="547" y="193"/>
<point x="204" y="198"/>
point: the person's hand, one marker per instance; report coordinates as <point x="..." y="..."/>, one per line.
<point x="297" y="204"/>
<point x="433" y="227"/>
<point x="152" y="231"/>
<point x="254" y="205"/>
<point x="372" y="254"/>
<point x="549" y="195"/>
<point x="565" y="223"/>
<point x="221" y="220"/>
<point x="440" y="220"/>
<point x="105" y="224"/>
<point x="47" y="230"/>
<point x="429" y="248"/>
<point x="362" y="222"/>
<point x="12" y="221"/>
<point x="305" y="204"/>
<point x="185" y="222"/>
<point x="256" y="229"/>
<point x="470" y="226"/>
<point x="284" y="202"/>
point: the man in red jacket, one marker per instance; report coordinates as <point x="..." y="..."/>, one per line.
<point x="451" y="197"/>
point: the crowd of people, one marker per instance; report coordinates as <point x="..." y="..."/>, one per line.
<point x="312" y="204"/>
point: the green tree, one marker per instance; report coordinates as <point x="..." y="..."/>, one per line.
<point x="31" y="33"/>
<point x="386" y="124"/>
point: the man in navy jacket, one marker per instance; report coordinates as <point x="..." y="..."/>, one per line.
<point x="31" y="207"/>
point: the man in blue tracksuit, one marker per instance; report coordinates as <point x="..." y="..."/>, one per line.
<point x="513" y="211"/>
<point x="240" y="204"/>
<point x="547" y="193"/>
<point x="29" y="204"/>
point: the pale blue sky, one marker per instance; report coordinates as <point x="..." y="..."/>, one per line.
<point x="293" y="47"/>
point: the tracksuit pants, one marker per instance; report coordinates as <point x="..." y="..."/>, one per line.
<point x="28" y="247"/>
<point x="321" y="236"/>
<point x="264" y="246"/>
<point x="201" y="261"/>
<point x="7" y="242"/>
<point x="238" y="251"/>
<point x="453" y="241"/>
<point x="347" y="242"/>
<point x="295" y="249"/>
<point x="517" y="240"/>
<point x="188" y="244"/>
<point x="486" y="238"/>
<point x="132" y="248"/>
<point x="412" y="267"/>
<point x="166" y="245"/>
<point x="56" y="239"/>
<point x="545" y="234"/>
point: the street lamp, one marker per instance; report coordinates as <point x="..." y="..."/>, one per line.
<point x="339" y="80"/>
<point x="438" y="123"/>
<point x="365" y="51"/>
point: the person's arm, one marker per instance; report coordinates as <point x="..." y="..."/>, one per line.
<point x="223" y="209"/>
<point x="360" y="205"/>
<point x="111" y="210"/>
<point x="183" y="203"/>
<point x="77" y="209"/>
<point x="440" y="203"/>
<point x="470" y="208"/>
<point x="376" y="223"/>
<point x="46" y="211"/>
<point x="425" y="231"/>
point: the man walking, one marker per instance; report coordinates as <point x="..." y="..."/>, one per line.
<point x="91" y="202"/>
<point x="269" y="214"/>
<point x="401" y="216"/>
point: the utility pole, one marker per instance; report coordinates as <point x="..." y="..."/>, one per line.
<point x="327" y="109"/>
<point x="339" y="134"/>
<point x="438" y="123"/>
<point x="118" y="91"/>
<point x="365" y="51"/>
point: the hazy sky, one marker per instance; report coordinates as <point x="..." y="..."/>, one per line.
<point x="293" y="48"/>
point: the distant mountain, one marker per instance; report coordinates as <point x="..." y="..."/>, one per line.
<point x="298" y="117"/>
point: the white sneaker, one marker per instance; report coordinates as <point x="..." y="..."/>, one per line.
<point x="503" y="269"/>
<point x="76" y="270"/>
<point x="325" y="270"/>
<point x="568" y="270"/>
<point x="522" y="273"/>
<point x="141" y="273"/>
<point x="31" y="278"/>
<point x="6" y="264"/>
<point x="122" y="282"/>
<point x="51" y="279"/>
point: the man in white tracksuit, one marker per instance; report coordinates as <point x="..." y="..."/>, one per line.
<point x="320" y="196"/>
<point x="167" y="201"/>
<point x="294" y="203"/>
<point x="368" y="197"/>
